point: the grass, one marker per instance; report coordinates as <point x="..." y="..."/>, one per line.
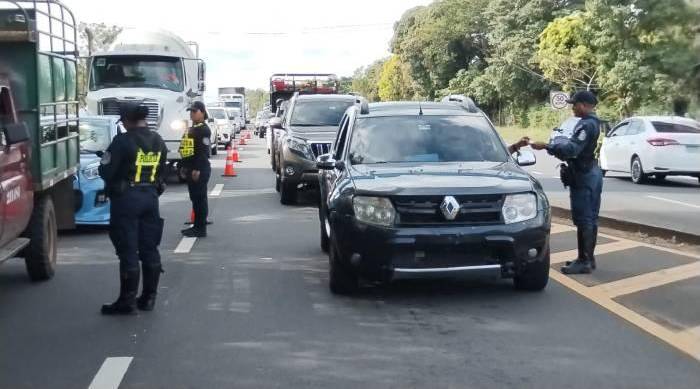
<point x="513" y="133"/>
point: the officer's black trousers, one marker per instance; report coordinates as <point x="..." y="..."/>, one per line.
<point x="135" y="227"/>
<point x="198" y="195"/>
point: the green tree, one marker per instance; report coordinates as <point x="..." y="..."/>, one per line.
<point x="256" y="99"/>
<point x="395" y="82"/>
<point x="92" y="38"/>
<point x="366" y="80"/>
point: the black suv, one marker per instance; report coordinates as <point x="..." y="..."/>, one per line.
<point x="307" y="131"/>
<point x="429" y="189"/>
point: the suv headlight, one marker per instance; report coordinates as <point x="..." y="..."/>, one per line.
<point x="92" y="171"/>
<point x="300" y="146"/>
<point x="519" y="208"/>
<point x="374" y="210"/>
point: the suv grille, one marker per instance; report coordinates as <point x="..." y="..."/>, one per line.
<point x="320" y="148"/>
<point x="111" y="107"/>
<point x="425" y="210"/>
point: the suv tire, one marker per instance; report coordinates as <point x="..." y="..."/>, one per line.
<point x="324" y="228"/>
<point x="288" y="193"/>
<point x="342" y="280"/>
<point x="533" y="276"/>
<point x="40" y="254"/>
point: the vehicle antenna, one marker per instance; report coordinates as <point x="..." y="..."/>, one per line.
<point x="420" y="109"/>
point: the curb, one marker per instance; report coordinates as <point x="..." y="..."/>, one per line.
<point x="632" y="227"/>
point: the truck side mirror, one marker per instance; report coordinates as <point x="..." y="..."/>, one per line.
<point x="202" y="76"/>
<point x="16" y="133"/>
<point x="276" y="123"/>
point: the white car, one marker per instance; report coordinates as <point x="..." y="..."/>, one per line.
<point x="224" y="128"/>
<point x="658" y="146"/>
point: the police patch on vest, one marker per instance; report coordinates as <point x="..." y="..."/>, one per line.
<point x="146" y="161"/>
<point x="582" y="135"/>
<point x="206" y="141"/>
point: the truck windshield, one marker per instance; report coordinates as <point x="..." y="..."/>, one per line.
<point x="425" y="139"/>
<point x="232" y="104"/>
<point x="126" y="71"/>
<point x="218" y="114"/>
<point x="319" y="113"/>
<point x="95" y="135"/>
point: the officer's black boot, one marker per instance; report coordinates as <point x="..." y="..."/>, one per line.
<point x="128" y="288"/>
<point x="579" y="243"/>
<point x="195" y="232"/>
<point x="151" y="276"/>
<point x="584" y="264"/>
<point x="595" y="243"/>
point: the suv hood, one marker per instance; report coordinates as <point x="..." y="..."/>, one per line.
<point x="434" y="179"/>
<point x="315" y="134"/>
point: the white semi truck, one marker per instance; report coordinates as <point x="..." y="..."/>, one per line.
<point x="234" y="97"/>
<point x="156" y="68"/>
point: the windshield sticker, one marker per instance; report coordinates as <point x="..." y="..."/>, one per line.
<point x="101" y="62"/>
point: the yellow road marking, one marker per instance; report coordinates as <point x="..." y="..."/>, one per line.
<point x="600" y="250"/>
<point x="559" y="228"/>
<point x="687" y="342"/>
<point x="649" y="280"/>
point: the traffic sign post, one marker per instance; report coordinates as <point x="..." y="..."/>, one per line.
<point x="558" y="99"/>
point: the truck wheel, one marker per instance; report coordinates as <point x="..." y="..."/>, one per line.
<point x="40" y="255"/>
<point x="342" y="279"/>
<point x="288" y="193"/>
<point x="533" y="276"/>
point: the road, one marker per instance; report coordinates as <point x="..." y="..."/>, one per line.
<point x="671" y="204"/>
<point x="249" y="307"/>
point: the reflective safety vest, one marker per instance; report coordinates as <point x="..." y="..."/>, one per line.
<point x="187" y="146"/>
<point x="146" y="165"/>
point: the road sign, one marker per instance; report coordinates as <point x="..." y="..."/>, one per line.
<point x="558" y="99"/>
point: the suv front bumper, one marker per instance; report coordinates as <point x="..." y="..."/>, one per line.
<point x="296" y="169"/>
<point x="408" y="252"/>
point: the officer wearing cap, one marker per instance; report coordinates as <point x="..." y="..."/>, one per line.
<point x="196" y="170"/>
<point x="583" y="177"/>
<point x="132" y="168"/>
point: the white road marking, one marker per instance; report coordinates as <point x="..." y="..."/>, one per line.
<point x="216" y="192"/>
<point x="674" y="202"/>
<point x="185" y="245"/>
<point x="537" y="173"/>
<point x="111" y="373"/>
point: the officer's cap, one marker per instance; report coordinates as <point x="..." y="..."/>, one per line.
<point x="199" y="106"/>
<point x="584" y="96"/>
<point x="133" y="112"/>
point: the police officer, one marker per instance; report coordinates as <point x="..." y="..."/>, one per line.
<point x="583" y="176"/>
<point x="196" y="170"/>
<point x="132" y="168"/>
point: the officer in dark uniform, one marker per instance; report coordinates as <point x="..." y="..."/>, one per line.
<point x="133" y="170"/>
<point x="196" y="170"/>
<point x="583" y="177"/>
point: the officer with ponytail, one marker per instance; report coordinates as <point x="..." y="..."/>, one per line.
<point x="133" y="168"/>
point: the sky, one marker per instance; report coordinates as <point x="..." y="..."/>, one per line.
<point x="244" y="42"/>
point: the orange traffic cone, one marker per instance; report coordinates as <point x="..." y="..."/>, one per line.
<point x="229" y="171"/>
<point x="236" y="157"/>
<point x="248" y="135"/>
<point x="242" y="141"/>
<point x="191" y="221"/>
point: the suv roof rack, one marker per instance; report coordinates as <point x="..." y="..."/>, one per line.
<point x="462" y="100"/>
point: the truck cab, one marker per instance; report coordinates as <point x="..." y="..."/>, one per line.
<point x="156" y="68"/>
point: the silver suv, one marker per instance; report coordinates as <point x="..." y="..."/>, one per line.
<point x="308" y="130"/>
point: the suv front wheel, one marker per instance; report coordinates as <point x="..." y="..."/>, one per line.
<point x="288" y="193"/>
<point x="342" y="279"/>
<point x="533" y="276"/>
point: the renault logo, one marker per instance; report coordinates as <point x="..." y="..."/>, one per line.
<point x="450" y="208"/>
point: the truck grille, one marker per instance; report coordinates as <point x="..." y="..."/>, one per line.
<point x="111" y="107"/>
<point x="425" y="210"/>
<point x="320" y="148"/>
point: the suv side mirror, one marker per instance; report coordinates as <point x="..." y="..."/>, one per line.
<point x="16" y="133"/>
<point x="525" y="158"/>
<point x="325" y="162"/>
<point x="276" y="123"/>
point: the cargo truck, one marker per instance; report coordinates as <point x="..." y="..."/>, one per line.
<point x="234" y="97"/>
<point x="39" y="150"/>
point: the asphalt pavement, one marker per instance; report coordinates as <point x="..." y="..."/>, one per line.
<point x="672" y="204"/>
<point x="249" y="307"/>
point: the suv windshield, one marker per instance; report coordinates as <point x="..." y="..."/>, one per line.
<point x="425" y="139"/>
<point x="319" y="112"/>
<point x="126" y="71"/>
<point x="95" y="135"/>
<point x="218" y="114"/>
